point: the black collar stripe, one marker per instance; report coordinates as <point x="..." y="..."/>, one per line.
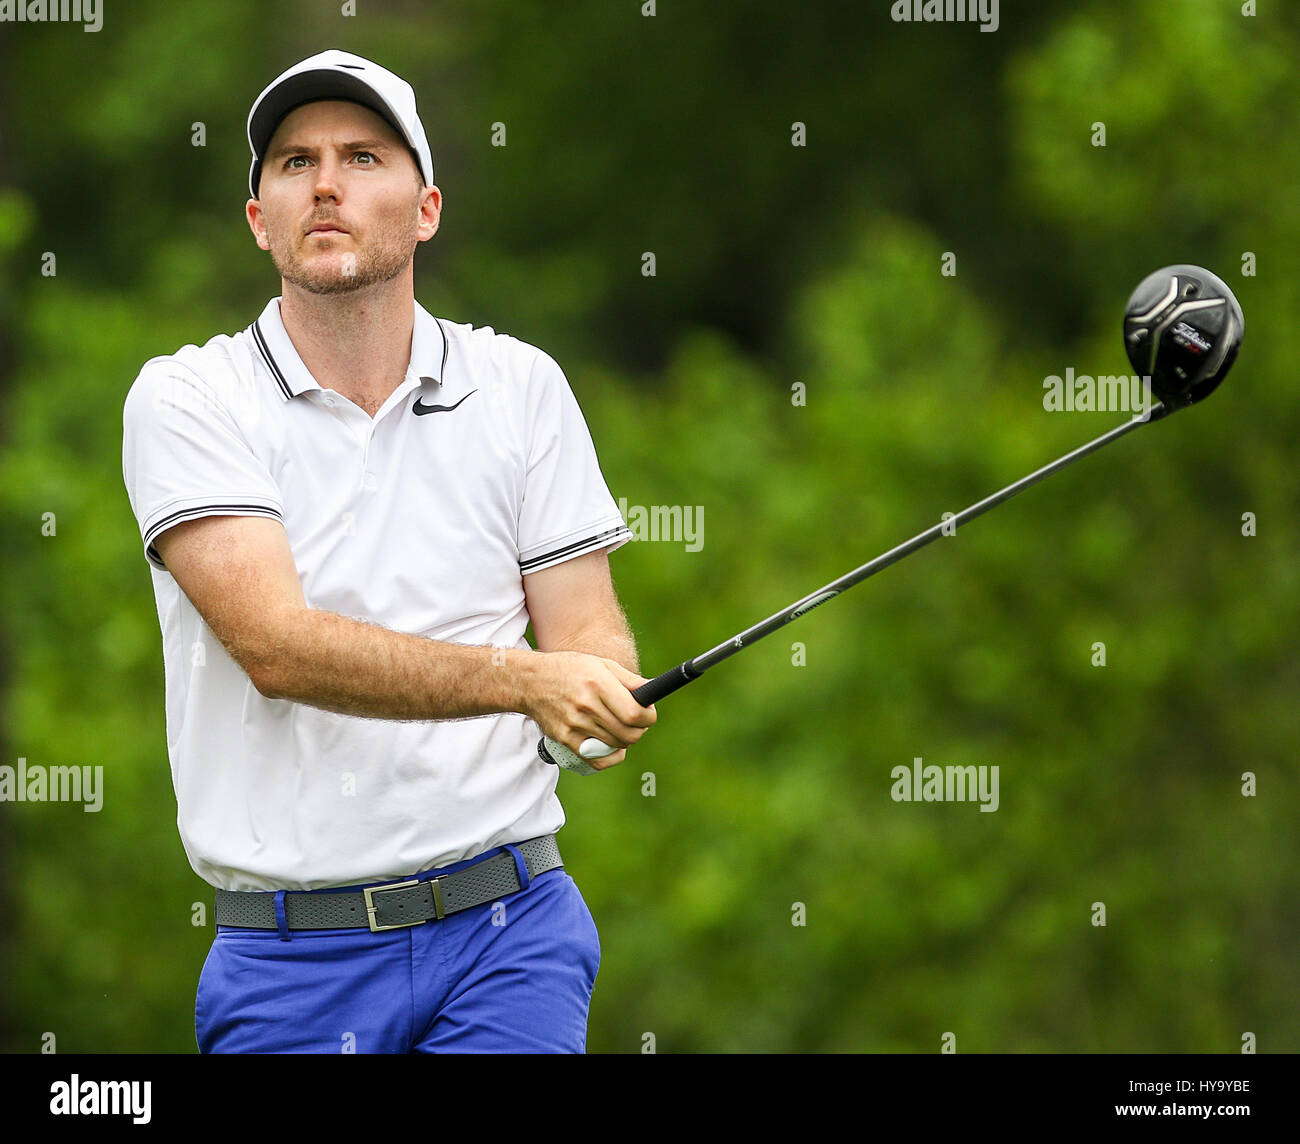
<point x="442" y="372"/>
<point x="265" y="351"/>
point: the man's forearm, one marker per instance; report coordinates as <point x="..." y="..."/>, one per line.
<point x="611" y="638"/>
<point x="356" y="668"/>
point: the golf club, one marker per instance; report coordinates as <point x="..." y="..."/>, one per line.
<point x="1182" y="330"/>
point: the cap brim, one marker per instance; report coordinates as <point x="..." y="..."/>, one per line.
<point x="308" y="87"/>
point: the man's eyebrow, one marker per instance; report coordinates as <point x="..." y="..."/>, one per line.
<point x="355" y="145"/>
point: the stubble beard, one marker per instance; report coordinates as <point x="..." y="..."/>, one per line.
<point x="341" y="271"/>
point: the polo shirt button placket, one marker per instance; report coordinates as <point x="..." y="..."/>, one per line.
<point x="368" y="480"/>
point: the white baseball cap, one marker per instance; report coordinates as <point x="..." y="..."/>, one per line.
<point x="337" y="75"/>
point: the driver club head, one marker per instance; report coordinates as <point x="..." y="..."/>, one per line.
<point x="1182" y="329"/>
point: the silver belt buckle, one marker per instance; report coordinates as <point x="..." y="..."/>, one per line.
<point x="369" y="894"/>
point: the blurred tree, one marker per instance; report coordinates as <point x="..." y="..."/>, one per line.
<point x="756" y="887"/>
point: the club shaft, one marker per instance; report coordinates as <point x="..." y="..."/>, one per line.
<point x="677" y="677"/>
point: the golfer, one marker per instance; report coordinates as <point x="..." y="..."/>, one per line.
<point x="352" y="510"/>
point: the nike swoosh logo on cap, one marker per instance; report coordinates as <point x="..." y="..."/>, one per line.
<point x="419" y="408"/>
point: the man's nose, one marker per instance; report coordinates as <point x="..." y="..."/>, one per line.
<point x="327" y="179"/>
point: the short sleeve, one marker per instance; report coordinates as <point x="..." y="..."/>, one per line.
<point x="567" y="508"/>
<point x="184" y="456"/>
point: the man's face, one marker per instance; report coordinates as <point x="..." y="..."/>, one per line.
<point x="338" y="164"/>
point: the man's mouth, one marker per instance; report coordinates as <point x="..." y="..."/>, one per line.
<point x="326" y="228"/>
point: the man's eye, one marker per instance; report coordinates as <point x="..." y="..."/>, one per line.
<point x="368" y="154"/>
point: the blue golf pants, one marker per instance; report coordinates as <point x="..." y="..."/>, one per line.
<point x="511" y="976"/>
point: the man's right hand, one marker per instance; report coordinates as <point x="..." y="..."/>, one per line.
<point x="574" y="696"/>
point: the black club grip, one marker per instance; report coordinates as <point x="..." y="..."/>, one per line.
<point x="666" y="684"/>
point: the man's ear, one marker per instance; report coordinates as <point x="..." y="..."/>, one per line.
<point x="430" y="213"/>
<point x="256" y="223"/>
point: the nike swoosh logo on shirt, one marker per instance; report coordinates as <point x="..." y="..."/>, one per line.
<point x="419" y="408"/>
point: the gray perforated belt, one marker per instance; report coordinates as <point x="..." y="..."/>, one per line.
<point x="391" y="905"/>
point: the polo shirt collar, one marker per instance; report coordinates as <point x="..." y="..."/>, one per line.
<point x="272" y="344"/>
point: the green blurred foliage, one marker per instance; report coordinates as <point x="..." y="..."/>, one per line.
<point x="921" y="393"/>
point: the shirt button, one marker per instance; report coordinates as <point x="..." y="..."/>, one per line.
<point x="370" y="483"/>
<point x="330" y="402"/>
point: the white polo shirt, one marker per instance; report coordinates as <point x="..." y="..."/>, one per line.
<point x="477" y="470"/>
